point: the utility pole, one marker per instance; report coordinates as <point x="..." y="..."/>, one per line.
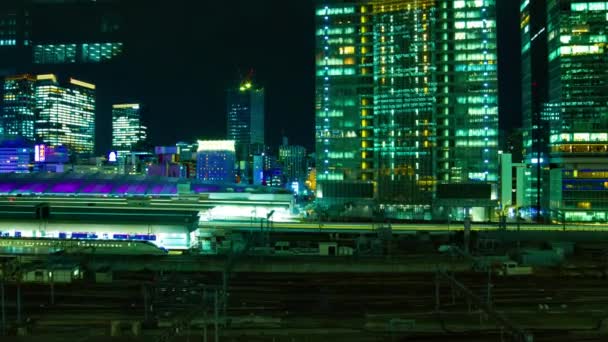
<point x="515" y="331"/>
<point x="19" y="298"/>
<point x="144" y="290"/>
<point x="437" y="302"/>
<point x="467" y="231"/>
<point x="52" y="285"/>
<point x="205" y="315"/>
<point x="2" y="303"/>
<point x="489" y="297"/>
<point x="216" y="318"/>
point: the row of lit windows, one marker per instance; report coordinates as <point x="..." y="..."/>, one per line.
<point x="589" y="6"/>
<point x="471" y="3"/>
<point x="8" y="42"/>
<point x="66" y="53"/>
<point x="475" y="24"/>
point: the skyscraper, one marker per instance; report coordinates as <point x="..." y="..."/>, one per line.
<point x="66" y="113"/>
<point x="31" y="33"/>
<point x="18" y="112"/>
<point x="406" y="96"/>
<point x="127" y="129"/>
<point x="245" y="118"/>
<point x="293" y="160"/>
<point x="574" y="115"/>
<point x="535" y="80"/>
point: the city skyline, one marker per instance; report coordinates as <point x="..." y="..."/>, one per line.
<point x="287" y="74"/>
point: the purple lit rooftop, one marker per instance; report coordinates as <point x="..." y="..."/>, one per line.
<point x="115" y="185"/>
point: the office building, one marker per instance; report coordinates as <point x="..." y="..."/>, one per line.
<point x="16" y="156"/>
<point x="535" y="133"/>
<point x="216" y="160"/>
<point x="187" y="159"/>
<point x="66" y="113"/>
<point x="245" y="119"/>
<point x="293" y="160"/>
<point x="19" y="106"/>
<point x="567" y="121"/>
<point x="127" y="128"/>
<point x="406" y="97"/>
<point x="32" y="33"/>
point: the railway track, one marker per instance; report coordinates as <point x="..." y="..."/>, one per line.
<point x="332" y="300"/>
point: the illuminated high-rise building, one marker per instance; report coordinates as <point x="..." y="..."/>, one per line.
<point x="344" y="101"/>
<point x="245" y="125"/>
<point x="30" y="32"/>
<point x="467" y="91"/>
<point x="127" y="128"/>
<point x="245" y="117"/>
<point x="66" y="113"/>
<point x="19" y="106"/>
<point x="571" y="154"/>
<point x="535" y="134"/>
<point x="406" y="97"/>
<point x="293" y="160"/>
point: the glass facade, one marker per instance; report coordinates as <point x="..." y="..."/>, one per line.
<point x="76" y="53"/>
<point x="404" y="101"/>
<point x="536" y="113"/>
<point x="127" y="129"/>
<point x="8" y="28"/>
<point x="577" y="33"/>
<point x="406" y="95"/>
<point x="19" y="106"/>
<point x="344" y="93"/>
<point x="467" y="94"/>
<point x="66" y="113"/>
<point x="245" y="117"/>
<point x="88" y="32"/>
<point x="293" y="160"/>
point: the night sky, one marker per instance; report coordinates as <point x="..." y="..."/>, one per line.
<point x="181" y="56"/>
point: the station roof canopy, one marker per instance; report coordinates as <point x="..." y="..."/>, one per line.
<point x="99" y="184"/>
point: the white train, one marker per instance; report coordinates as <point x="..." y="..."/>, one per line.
<point x="77" y="246"/>
<point x="96" y="236"/>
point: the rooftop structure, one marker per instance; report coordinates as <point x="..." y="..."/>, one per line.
<point x="115" y="185"/>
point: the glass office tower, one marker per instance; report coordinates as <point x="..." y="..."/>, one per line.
<point x="66" y="113"/>
<point x="467" y="93"/>
<point x="127" y="129"/>
<point x="344" y="128"/>
<point x="536" y="112"/>
<point x="245" y="117"/>
<point x="31" y="33"/>
<point x="404" y="101"/>
<point x="577" y="34"/>
<point x="344" y="87"/>
<point x="19" y="107"/>
<point x="406" y="96"/>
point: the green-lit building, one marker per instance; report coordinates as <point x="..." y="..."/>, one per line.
<point x="344" y="97"/>
<point x="35" y="32"/>
<point x="575" y="113"/>
<point x="127" y="128"/>
<point x="66" y="113"/>
<point x="406" y="97"/>
<point x="19" y="107"/>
